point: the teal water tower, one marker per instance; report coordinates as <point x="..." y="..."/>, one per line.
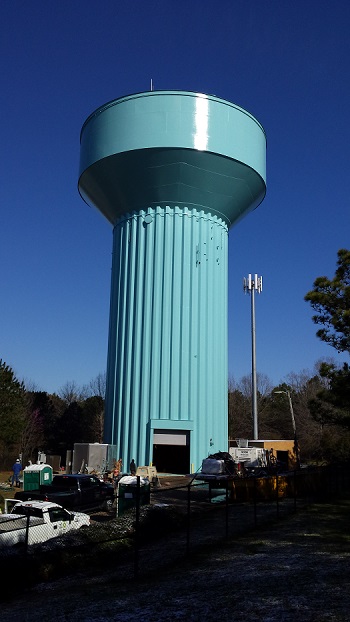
<point x="171" y="171"/>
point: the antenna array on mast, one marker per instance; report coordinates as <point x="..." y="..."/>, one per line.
<point x="252" y="283"/>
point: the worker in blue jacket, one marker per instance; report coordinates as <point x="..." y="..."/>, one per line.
<point x="17" y="468"/>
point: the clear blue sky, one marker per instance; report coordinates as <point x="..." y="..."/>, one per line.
<point x="286" y="62"/>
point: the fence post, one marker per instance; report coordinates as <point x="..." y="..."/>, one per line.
<point x="337" y="487"/>
<point x="277" y="499"/>
<point x="137" y="526"/>
<point x="328" y="486"/>
<point x="188" y="518"/>
<point x="26" y="538"/>
<point x="255" y="501"/>
<point x="295" y="490"/>
<point x="226" y="517"/>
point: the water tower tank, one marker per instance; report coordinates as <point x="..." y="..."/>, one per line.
<point x="171" y="171"/>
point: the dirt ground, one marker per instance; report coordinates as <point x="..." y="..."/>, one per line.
<point x="297" y="569"/>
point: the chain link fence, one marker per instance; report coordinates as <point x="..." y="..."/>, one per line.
<point x="177" y="521"/>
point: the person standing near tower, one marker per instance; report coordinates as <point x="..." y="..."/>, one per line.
<point x="17" y="468"/>
<point x="132" y="467"/>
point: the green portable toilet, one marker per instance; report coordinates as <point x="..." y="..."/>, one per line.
<point x="127" y="493"/>
<point x="35" y="475"/>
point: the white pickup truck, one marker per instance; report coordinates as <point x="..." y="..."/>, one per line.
<point x="42" y="520"/>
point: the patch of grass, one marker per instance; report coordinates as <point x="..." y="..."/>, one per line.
<point x="332" y="522"/>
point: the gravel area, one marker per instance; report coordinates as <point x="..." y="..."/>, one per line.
<point x="295" y="569"/>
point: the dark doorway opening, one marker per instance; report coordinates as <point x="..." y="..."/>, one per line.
<point x="172" y="459"/>
<point x="282" y="458"/>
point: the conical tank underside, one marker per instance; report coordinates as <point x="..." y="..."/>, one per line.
<point x="172" y="171"/>
<point x="173" y="147"/>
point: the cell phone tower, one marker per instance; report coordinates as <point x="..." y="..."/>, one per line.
<point x="251" y="285"/>
<point x="172" y="171"/>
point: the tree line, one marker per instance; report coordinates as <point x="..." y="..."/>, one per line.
<point x="319" y="438"/>
<point x="32" y="420"/>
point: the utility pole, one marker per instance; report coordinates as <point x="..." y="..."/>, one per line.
<point x="252" y="285"/>
<point x="296" y="444"/>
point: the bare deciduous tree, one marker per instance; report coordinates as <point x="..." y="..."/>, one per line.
<point x="70" y="392"/>
<point x="96" y="386"/>
<point x="240" y="403"/>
